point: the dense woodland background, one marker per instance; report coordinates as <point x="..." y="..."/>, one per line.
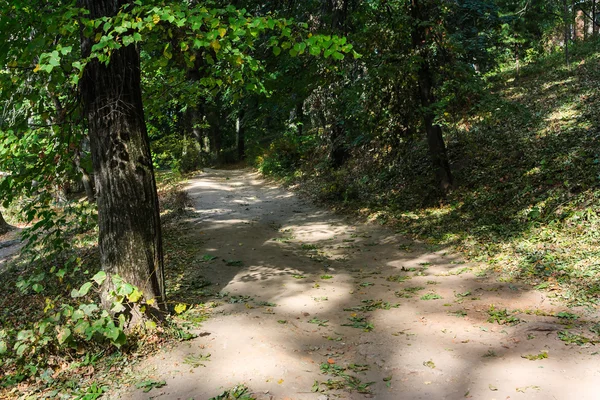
<point x="470" y="123"/>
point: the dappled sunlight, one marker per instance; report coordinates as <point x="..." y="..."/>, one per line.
<point x="298" y="291"/>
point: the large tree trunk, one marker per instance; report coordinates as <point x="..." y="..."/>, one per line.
<point x="128" y="217"/>
<point x="435" y="139"/>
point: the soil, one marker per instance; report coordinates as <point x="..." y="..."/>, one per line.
<point x="303" y="268"/>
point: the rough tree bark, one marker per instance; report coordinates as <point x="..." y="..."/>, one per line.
<point x="435" y="139"/>
<point x="128" y="216"/>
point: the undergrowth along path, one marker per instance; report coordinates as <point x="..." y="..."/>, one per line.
<point x="311" y="305"/>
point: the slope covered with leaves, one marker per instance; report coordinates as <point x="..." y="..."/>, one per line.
<point x="526" y="159"/>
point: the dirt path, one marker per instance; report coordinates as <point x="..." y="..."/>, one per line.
<point x="293" y="272"/>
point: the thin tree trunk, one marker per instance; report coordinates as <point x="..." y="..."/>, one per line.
<point x="4" y="226"/>
<point x="130" y="239"/>
<point x="241" y="136"/>
<point x="567" y="31"/>
<point x="435" y="139"/>
<point x="300" y="117"/>
<point x="594" y="26"/>
<point x="86" y="180"/>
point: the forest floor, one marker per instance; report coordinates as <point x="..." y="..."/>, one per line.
<point x="307" y="304"/>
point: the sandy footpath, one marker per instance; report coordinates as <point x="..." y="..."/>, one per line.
<point x="296" y="273"/>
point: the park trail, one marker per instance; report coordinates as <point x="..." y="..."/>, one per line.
<point x="314" y="296"/>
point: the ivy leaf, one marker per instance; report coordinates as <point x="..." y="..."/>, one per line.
<point x="135" y="296"/>
<point x="84" y="289"/>
<point x="99" y="278"/>
<point x="64" y="334"/>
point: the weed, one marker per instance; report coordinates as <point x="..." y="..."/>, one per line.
<point x="431" y="296"/>
<point x="306" y="246"/>
<point x="366" y="284"/>
<point x="572" y="338"/>
<point x="326" y="277"/>
<point x="502" y="317"/>
<point x="239" y="392"/>
<point x="413" y="289"/>
<point x="490" y="354"/>
<point x="566" y="315"/>
<point x="360" y="323"/>
<point x="297" y="276"/>
<point x="282" y="321"/>
<point x="266" y="304"/>
<point x="320" y="322"/>
<point x="370" y="305"/>
<point x="234" y="263"/>
<point x="196" y="361"/>
<point x="458" y="313"/>
<point x="540" y="356"/>
<point x="150" y="384"/>
<point x="240" y="299"/>
<point x="429" y="364"/>
<point x="398" y="278"/>
<point x="433" y="283"/>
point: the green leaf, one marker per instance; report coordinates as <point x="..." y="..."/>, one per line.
<point x="135" y="296"/>
<point x="179" y="308"/>
<point x="99" y="278"/>
<point x="37" y="288"/>
<point x="64" y="334"/>
<point x="338" y="56"/>
<point x="84" y="289"/>
<point x="276" y="50"/>
<point x="3" y="347"/>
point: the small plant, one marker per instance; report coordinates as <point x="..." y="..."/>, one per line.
<point x="234" y="263"/>
<point x="502" y="317"/>
<point x="398" y="278"/>
<point x="462" y="295"/>
<point x="239" y="392"/>
<point x="572" y="338"/>
<point x="320" y="322"/>
<point x="431" y="296"/>
<point x="297" y="276"/>
<point x="305" y="246"/>
<point x="360" y="323"/>
<point x="566" y="315"/>
<point x="429" y="364"/>
<point x="490" y="354"/>
<point x="532" y="357"/>
<point x="326" y="277"/>
<point x="366" y="284"/>
<point x="458" y="313"/>
<point x="208" y="257"/>
<point x="282" y="321"/>
<point x="370" y="305"/>
<point x="240" y="299"/>
<point x="150" y="384"/>
<point x="432" y="282"/>
<point x="266" y="304"/>
<point x="413" y="289"/>
<point x="196" y="361"/>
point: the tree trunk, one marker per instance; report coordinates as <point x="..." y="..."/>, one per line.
<point x="241" y="139"/>
<point x="567" y="31"/>
<point x="4" y="226"/>
<point x="85" y="177"/>
<point x="300" y="117"/>
<point x="130" y="239"/>
<point x="435" y="139"/>
<point x="594" y="26"/>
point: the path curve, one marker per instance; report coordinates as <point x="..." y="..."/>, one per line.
<point x="293" y="271"/>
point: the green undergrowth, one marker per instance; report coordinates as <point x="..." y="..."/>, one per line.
<point x="55" y="339"/>
<point x="526" y="162"/>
